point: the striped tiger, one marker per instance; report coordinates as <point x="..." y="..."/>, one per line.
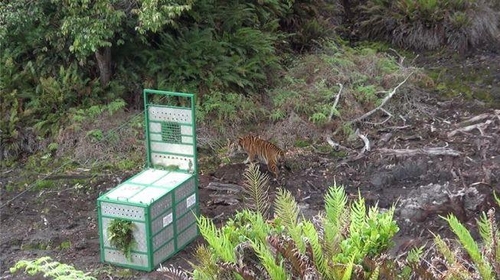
<point x="266" y="151"/>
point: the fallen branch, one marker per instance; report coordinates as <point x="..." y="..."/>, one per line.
<point x="334" y="106"/>
<point x="386" y="98"/>
<point x="335" y="145"/>
<point x="479" y="126"/>
<point x="424" y="151"/>
<point x="366" y="147"/>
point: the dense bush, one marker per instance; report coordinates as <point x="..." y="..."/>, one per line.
<point x="430" y="24"/>
<point x="58" y="55"/>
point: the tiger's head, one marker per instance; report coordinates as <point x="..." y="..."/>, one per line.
<point x="235" y="148"/>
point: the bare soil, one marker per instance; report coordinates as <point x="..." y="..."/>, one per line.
<point x="440" y="161"/>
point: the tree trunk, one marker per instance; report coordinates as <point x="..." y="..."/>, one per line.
<point x="103" y="57"/>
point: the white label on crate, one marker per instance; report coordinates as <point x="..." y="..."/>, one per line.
<point x="167" y="220"/>
<point x="190" y="200"/>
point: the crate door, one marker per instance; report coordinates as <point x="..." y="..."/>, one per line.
<point x="170" y="130"/>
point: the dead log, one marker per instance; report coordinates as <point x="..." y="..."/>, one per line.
<point x="423" y="151"/>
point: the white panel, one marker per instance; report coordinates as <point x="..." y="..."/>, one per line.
<point x="167" y="160"/>
<point x="149" y="195"/>
<point x="155" y="137"/>
<point x="172" y="148"/>
<point x="170" y="114"/>
<point x="186" y="130"/>
<point x="187" y="140"/>
<point x="124" y="192"/>
<point x="148" y="176"/>
<point x="154" y="127"/>
<point x="172" y="180"/>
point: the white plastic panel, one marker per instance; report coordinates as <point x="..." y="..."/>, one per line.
<point x="115" y="256"/>
<point x="149" y="195"/>
<point x="170" y="114"/>
<point x="117" y="210"/>
<point x="172" y="148"/>
<point x="148" y="176"/>
<point x="172" y="180"/>
<point x="187" y="140"/>
<point x="167" y="160"/>
<point x="186" y="130"/>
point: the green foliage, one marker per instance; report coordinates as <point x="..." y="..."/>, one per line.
<point x="44" y="184"/>
<point x="221" y="110"/>
<point x="470" y="245"/>
<point x="121" y="236"/>
<point x="256" y="190"/>
<point x="430" y="24"/>
<point x="291" y="246"/>
<point x="311" y="86"/>
<point x="50" y="269"/>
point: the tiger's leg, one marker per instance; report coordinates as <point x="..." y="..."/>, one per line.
<point x="273" y="168"/>
<point x="250" y="158"/>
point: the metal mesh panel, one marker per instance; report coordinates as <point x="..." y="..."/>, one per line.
<point x="160" y="206"/>
<point x="161" y="222"/>
<point x="162" y="237"/>
<point x="171" y="132"/>
<point x="118" y="257"/>
<point x="187" y="235"/>
<point x="122" y="211"/>
<point x="183" y="222"/>
<point x="139" y="233"/>
<point x="163" y="253"/>
<point x="185" y="205"/>
<point x="186" y="189"/>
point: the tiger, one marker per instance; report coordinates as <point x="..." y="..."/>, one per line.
<point x="266" y="151"/>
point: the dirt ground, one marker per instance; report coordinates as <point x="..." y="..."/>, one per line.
<point x="444" y="160"/>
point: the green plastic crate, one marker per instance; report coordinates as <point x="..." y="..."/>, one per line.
<point x="162" y="200"/>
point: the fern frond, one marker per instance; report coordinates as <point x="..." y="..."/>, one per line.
<point x="375" y="274"/>
<point x="310" y="232"/>
<point x="335" y="204"/>
<point x="206" y="267"/>
<point x="299" y="263"/>
<point x="256" y="189"/>
<point x="287" y="211"/>
<point x="275" y="269"/>
<point x="489" y="232"/>
<point x="348" y="270"/>
<point x="50" y="269"/>
<point x="486" y="230"/>
<point x="470" y="246"/>
<point x="174" y="273"/>
<point x="218" y="241"/>
<point x="358" y="214"/>
<point x="444" y="249"/>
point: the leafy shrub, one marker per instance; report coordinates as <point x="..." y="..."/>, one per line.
<point x="223" y="110"/>
<point x="430" y="24"/>
<point x="291" y="246"/>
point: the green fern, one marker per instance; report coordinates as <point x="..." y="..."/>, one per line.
<point x="256" y="189"/>
<point x="219" y="242"/>
<point x="470" y="246"/>
<point x="287" y="213"/>
<point x="310" y="232"/>
<point x="274" y="268"/>
<point x="50" y="269"/>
